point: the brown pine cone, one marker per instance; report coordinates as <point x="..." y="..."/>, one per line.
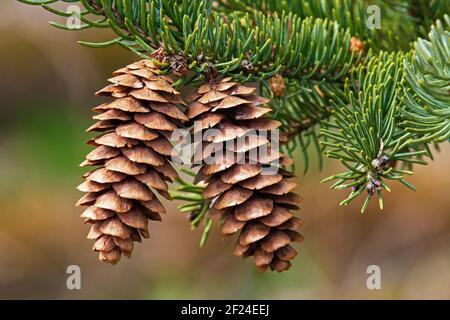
<point x="132" y="155"/>
<point x="252" y="201"/>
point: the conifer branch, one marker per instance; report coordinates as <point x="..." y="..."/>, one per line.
<point x="377" y="111"/>
<point x="396" y="31"/>
<point x="427" y="94"/>
<point x="364" y="134"/>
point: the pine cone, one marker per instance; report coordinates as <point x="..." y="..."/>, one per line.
<point x="132" y="155"/>
<point x="251" y="201"/>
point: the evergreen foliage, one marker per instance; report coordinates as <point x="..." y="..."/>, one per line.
<point x="377" y="109"/>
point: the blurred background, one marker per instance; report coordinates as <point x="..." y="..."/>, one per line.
<point x="46" y="91"/>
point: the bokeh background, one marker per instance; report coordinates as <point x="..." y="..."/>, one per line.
<point x="46" y="91"/>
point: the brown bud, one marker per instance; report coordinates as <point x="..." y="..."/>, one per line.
<point x="159" y="55"/>
<point x="247" y="65"/>
<point x="178" y="65"/>
<point x="356" y="45"/>
<point x="370" y="188"/>
<point x="210" y="72"/>
<point x="380" y="163"/>
<point x="277" y="85"/>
